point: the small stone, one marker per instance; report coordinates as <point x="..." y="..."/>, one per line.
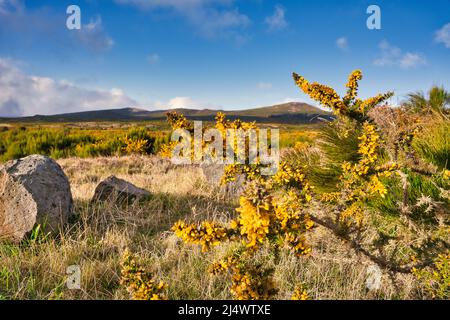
<point x="118" y="190"/>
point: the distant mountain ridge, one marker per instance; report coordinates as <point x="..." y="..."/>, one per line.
<point x="291" y="112"/>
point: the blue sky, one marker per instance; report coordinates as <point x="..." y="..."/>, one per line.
<point x="212" y="53"/>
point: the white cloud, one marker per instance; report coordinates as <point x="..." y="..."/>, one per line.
<point x="342" y="43"/>
<point x="181" y="102"/>
<point x="411" y="60"/>
<point x="10" y="6"/>
<point x="388" y="54"/>
<point x="264" y="86"/>
<point x="443" y="35"/>
<point x="184" y="102"/>
<point x="210" y="17"/>
<point x="277" y="21"/>
<point x="153" y="58"/>
<point x="393" y="56"/>
<point x="15" y="18"/>
<point x="287" y="100"/>
<point x="39" y="25"/>
<point x="25" y="95"/>
<point x="93" y="36"/>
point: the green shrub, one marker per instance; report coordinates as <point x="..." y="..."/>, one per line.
<point x="433" y="143"/>
<point x="68" y="142"/>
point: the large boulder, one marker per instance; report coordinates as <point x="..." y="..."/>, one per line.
<point x="118" y="190"/>
<point x="33" y="190"/>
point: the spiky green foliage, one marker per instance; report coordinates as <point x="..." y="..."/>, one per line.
<point x="433" y="143"/>
<point x="437" y="100"/>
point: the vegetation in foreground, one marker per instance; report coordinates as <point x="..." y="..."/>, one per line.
<point x="372" y="190"/>
<point x="99" y="236"/>
<point x="405" y="234"/>
<point x="107" y="139"/>
<point x="58" y="141"/>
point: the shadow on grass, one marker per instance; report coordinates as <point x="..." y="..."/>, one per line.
<point x="149" y="216"/>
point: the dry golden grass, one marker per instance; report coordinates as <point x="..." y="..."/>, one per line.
<point x="96" y="239"/>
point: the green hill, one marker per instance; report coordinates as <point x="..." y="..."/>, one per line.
<point x="293" y="112"/>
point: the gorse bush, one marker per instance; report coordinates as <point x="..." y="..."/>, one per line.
<point x="271" y="211"/>
<point x="436" y="280"/>
<point x="140" y="283"/>
<point x="372" y="175"/>
<point x="384" y="173"/>
<point x="67" y="142"/>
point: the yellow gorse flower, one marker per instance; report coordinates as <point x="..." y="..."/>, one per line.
<point x="208" y="234"/>
<point x="359" y="179"/>
<point x="254" y="220"/>
<point x="436" y="278"/>
<point x="300" y="293"/>
<point x="327" y="96"/>
<point x="252" y="284"/>
<point x="352" y="86"/>
<point x="179" y="121"/>
<point x="353" y="214"/>
<point x="298" y="242"/>
<point x="140" y="284"/>
<point x="223" y="265"/>
<point x="375" y="186"/>
<point x="135" y="146"/>
<point x="273" y="210"/>
<point x="287" y="175"/>
<point x="264" y="217"/>
<point x="347" y="106"/>
<point x="369" y="143"/>
<point x="446" y="174"/>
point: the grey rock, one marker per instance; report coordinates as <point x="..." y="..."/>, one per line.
<point x="213" y="175"/>
<point x="213" y="172"/>
<point x="118" y="190"/>
<point x="33" y="190"/>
